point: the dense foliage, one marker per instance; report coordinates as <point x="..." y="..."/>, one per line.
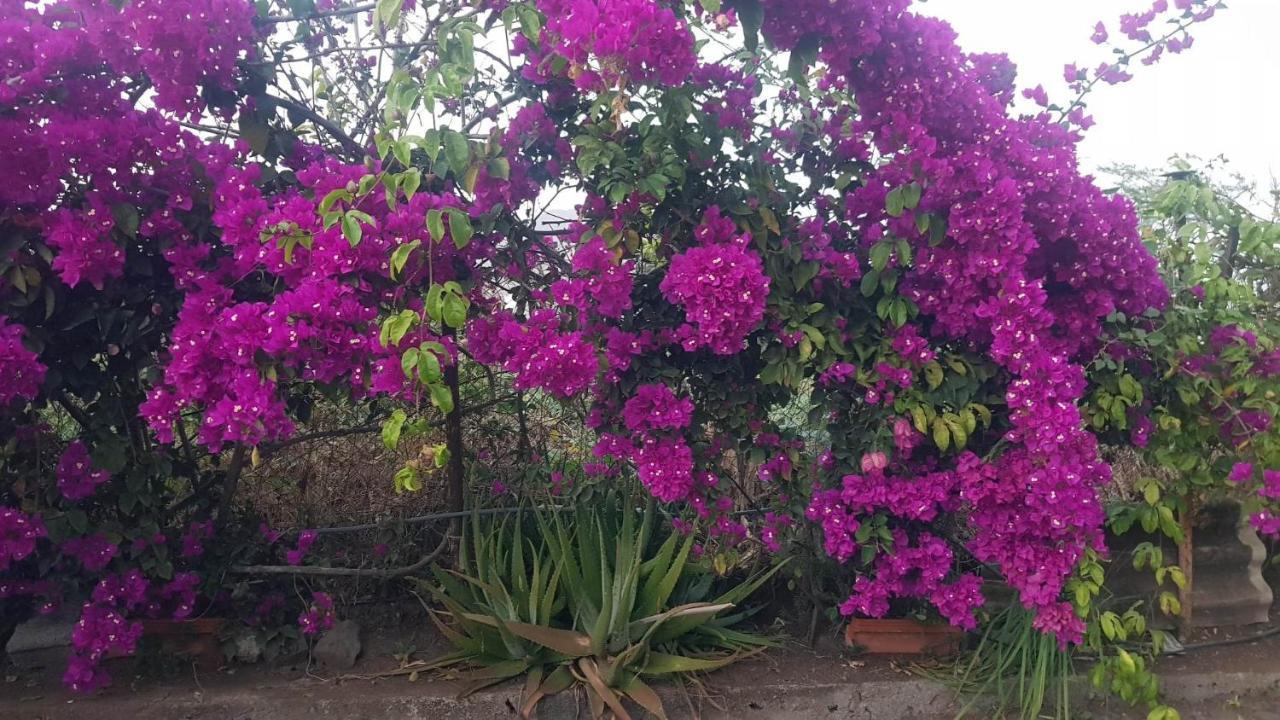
<point x="844" y="213"/>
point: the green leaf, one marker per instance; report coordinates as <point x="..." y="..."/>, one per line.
<point x="911" y="196"/>
<point x="435" y="224"/>
<point x="894" y="203"/>
<point x="457" y="150"/>
<point x="126" y="217"/>
<point x="400" y="257"/>
<point x="870" y="281"/>
<point x="257" y="134"/>
<point x="333" y="197"/>
<point x="666" y="664"/>
<point x="410" y="182"/>
<point x="805" y="272"/>
<point x="442" y="398"/>
<point x="388" y="12"/>
<point x="500" y="168"/>
<point x="941" y="434"/>
<point x="400" y="149"/>
<point x="565" y="642"/>
<point x="751" y="15"/>
<point x="454" y="310"/>
<point x="431" y="144"/>
<point x="351" y="229"/>
<point x="459" y="228"/>
<point x="880" y="253"/>
<point x="397" y="326"/>
<point x="802" y="56"/>
<point x="409" y="362"/>
<point x="391" y="429"/>
<point x="435" y="302"/>
<point x="933" y="374"/>
<point x="406" y="480"/>
<point x="898" y="312"/>
<point x="429" y="366"/>
<point x="711" y="6"/>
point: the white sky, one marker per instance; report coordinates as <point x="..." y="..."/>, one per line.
<point x="1221" y="97"/>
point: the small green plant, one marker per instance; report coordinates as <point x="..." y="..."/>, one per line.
<point x="595" y="597"/>
<point x="1027" y="671"/>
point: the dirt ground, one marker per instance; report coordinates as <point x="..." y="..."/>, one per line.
<point x="1235" y="682"/>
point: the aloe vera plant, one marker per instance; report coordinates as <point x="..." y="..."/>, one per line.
<point x="589" y="597"/>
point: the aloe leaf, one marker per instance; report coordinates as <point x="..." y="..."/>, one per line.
<point x="591" y="672"/>
<point x="490" y="675"/>
<point x="657" y="595"/>
<point x="689" y="617"/>
<point x="740" y="592"/>
<point x="519" y="577"/>
<point x="557" y="681"/>
<point x="643" y="695"/>
<point x="665" y="664"/>
<point x="567" y="642"/>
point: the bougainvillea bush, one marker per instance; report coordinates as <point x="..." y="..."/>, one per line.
<point x="678" y="217"/>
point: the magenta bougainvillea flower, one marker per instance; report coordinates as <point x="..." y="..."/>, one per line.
<point x="77" y="478"/>
<point x="721" y="286"/>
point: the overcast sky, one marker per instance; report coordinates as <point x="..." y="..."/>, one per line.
<point x="1220" y="97"/>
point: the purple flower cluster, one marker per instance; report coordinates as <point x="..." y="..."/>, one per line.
<point x="19" y="366"/>
<point x="665" y="466"/>
<point x="77" y="479"/>
<point x="655" y="407"/>
<point x="19" y="533"/>
<point x="91" y="53"/>
<point x="319" y="615"/>
<point x="194" y="537"/>
<point x="610" y="43"/>
<point x="94" y="552"/>
<point x="917" y="570"/>
<point x="720" y="284"/>
<point x="771" y="531"/>
<point x="1136" y="27"/>
<point x="101" y="632"/>
<point x="538" y="352"/>
<point x="602" y="285"/>
<point x="306" y="539"/>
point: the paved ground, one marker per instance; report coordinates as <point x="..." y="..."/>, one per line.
<point x="1240" y="682"/>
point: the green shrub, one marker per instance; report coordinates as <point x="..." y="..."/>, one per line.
<point x="596" y="596"/>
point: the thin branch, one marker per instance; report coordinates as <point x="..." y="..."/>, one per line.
<point x="424" y="561"/>
<point x="320" y="435"/>
<point x="230" y="482"/>
<point x="353" y="10"/>
<point x="331" y="51"/>
<point x="329" y="126"/>
<point x="368" y="429"/>
<point x="1123" y="61"/>
<point x="72" y="409"/>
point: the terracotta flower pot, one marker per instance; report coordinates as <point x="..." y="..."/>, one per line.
<point x="903" y="637"/>
<point x="196" y="639"/>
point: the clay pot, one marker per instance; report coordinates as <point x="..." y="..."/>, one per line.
<point x="196" y="639"/>
<point x="903" y="637"/>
